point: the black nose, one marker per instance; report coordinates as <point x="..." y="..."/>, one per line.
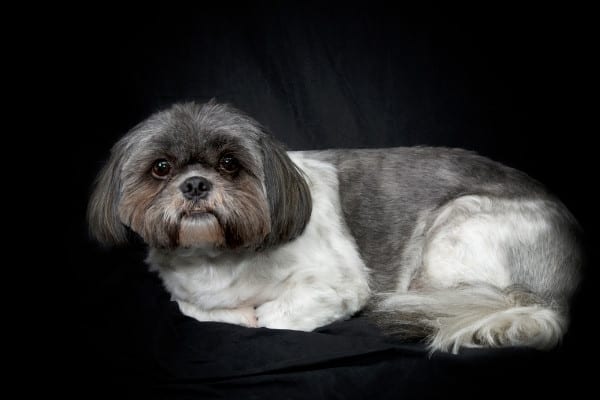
<point x="195" y="188"/>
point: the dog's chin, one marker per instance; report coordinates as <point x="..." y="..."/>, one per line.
<point x="200" y="230"/>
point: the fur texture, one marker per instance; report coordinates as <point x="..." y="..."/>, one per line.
<point x="433" y="242"/>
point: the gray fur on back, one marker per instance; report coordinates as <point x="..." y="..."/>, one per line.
<point x="422" y="179"/>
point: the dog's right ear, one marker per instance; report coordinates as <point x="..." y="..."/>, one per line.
<point x="102" y="213"/>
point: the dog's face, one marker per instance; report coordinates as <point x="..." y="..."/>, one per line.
<point x="200" y="176"/>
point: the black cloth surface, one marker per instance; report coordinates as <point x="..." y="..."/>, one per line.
<point x="497" y="81"/>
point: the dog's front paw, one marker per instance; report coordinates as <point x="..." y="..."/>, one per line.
<point x="274" y="315"/>
<point x="244" y="316"/>
<point x="268" y="316"/>
<point x="247" y="316"/>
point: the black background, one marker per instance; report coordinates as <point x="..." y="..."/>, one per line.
<point x="505" y="81"/>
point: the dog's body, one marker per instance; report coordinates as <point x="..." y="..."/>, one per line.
<point x="465" y="250"/>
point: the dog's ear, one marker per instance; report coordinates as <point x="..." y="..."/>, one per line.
<point x="288" y="194"/>
<point x="102" y="213"/>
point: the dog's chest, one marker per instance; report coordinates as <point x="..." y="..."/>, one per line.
<point x="220" y="283"/>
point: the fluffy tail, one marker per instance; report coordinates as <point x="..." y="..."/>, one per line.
<point x="472" y="316"/>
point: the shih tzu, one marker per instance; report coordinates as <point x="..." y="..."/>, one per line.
<point x="443" y="242"/>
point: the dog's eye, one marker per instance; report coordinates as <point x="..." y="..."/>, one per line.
<point x="161" y="169"/>
<point x="229" y="164"/>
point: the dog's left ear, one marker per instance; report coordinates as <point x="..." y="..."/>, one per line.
<point x="288" y="194"/>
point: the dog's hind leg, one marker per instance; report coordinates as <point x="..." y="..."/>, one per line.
<point x="491" y="272"/>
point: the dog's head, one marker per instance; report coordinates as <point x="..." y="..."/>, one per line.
<point x="199" y="176"/>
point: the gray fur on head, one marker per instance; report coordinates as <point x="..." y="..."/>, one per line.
<point x="266" y="202"/>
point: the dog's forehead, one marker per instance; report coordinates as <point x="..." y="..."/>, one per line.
<point x="199" y="140"/>
<point x="186" y="131"/>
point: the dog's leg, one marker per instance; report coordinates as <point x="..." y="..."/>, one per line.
<point x="493" y="272"/>
<point x="244" y="316"/>
<point x="306" y="308"/>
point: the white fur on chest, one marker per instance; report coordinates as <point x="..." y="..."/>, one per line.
<point x="322" y="265"/>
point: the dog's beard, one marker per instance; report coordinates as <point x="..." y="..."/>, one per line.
<point x="201" y="230"/>
<point x="181" y="224"/>
<point x="233" y="219"/>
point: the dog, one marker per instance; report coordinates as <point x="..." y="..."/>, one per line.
<point x="434" y="242"/>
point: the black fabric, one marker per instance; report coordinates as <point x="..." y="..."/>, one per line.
<point x="146" y="347"/>
<point x="498" y="81"/>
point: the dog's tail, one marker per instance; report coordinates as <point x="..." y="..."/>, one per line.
<point x="472" y="316"/>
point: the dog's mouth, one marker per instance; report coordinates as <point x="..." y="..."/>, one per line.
<point x="196" y="210"/>
<point x="197" y="213"/>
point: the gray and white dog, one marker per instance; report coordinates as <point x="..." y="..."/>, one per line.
<point x="439" y="241"/>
